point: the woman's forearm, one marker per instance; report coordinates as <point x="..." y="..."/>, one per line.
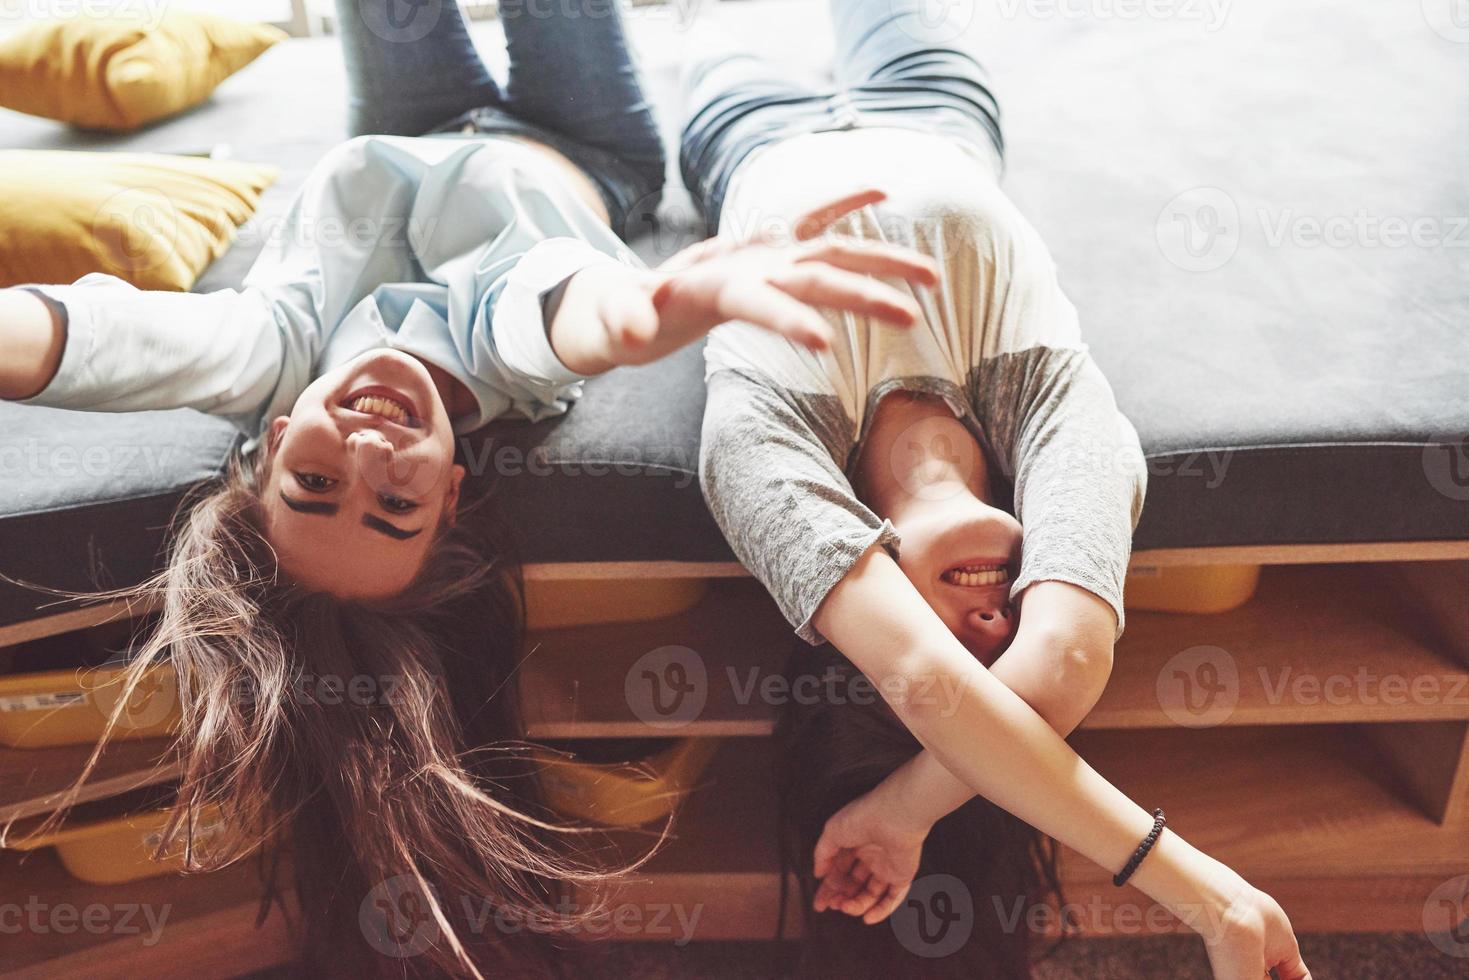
<point x="609" y="314"/>
<point x="999" y="746"/>
<point x="1058" y="664"/>
<point x="33" y="340"/>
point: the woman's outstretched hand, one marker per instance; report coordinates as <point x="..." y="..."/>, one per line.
<point x="777" y="279"/>
<point x="866" y="859"/>
<point x="1253" y="937"/>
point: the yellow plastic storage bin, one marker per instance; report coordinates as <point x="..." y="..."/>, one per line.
<point x="1190" y="589"/>
<point x="560" y="603"/>
<point x="71" y="707"/>
<point x="624" y="794"/>
<point x="120" y="849"/>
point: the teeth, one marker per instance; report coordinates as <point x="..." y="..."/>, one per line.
<point x="378" y="405"/>
<point x="974" y="576"/>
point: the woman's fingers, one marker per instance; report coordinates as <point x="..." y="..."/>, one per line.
<point x="827" y="894"/>
<point x="836" y="289"/>
<point x="814" y="222"/>
<point x="857" y="877"/>
<point x="887" y="906"/>
<point x="766" y="306"/>
<point x="838" y="883"/>
<point x="1293" y="968"/>
<point x="874" y="259"/>
<point x="872" y="891"/>
<point x="821" y="860"/>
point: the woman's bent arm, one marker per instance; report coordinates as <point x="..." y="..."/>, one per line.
<point x="1062" y="625"/>
<point x="882" y="624"/>
<point x="33" y="338"/>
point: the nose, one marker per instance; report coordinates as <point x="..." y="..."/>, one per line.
<point x="369" y="444"/>
<point x="373" y="454"/>
<point x="388" y="468"/>
<point x="991" y="623"/>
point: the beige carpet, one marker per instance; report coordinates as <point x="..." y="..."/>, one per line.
<point x="1391" y="956"/>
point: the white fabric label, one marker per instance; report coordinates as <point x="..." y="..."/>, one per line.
<point x="42" y="702"/>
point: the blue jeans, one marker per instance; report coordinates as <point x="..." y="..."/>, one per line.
<point x="897" y="65"/>
<point x="412" y="69"/>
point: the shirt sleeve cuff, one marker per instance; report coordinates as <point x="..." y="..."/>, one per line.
<point x="837" y="561"/>
<point x="519" y="324"/>
<point x="69" y="381"/>
<point x="1107" y="592"/>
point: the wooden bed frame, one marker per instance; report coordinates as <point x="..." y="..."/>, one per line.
<point x="1347" y="801"/>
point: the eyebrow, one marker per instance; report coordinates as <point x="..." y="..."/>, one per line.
<point x="309" y="506"/>
<point x="391" y="530"/>
<point x="369" y="520"/>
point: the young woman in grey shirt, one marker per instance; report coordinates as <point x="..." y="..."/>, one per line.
<point x="906" y="494"/>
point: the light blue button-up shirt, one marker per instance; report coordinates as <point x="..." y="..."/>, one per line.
<point x="442" y="247"/>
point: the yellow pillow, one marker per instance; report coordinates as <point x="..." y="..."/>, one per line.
<point x="120" y="74"/>
<point x="156" y="221"/>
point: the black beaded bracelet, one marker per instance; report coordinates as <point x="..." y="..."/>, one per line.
<point x="1120" y="878"/>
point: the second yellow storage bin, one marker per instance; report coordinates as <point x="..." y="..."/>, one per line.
<point x="71" y="707"/>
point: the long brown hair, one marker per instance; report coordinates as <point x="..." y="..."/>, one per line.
<point x="411" y="815"/>
<point x="836" y="748"/>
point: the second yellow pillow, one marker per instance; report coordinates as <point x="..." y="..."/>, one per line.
<point x="156" y="221"/>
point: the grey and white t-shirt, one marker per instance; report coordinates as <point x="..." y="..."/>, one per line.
<point x="998" y="341"/>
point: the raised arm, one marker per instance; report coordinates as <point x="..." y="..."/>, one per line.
<point x="611" y="314"/>
<point x="101" y="344"/>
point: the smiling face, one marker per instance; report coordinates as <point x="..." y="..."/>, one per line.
<point x="361" y="477"/>
<point x="922" y="469"/>
<point x="961" y="555"/>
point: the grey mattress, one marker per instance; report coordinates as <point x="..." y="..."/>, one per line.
<point x="1262" y="221"/>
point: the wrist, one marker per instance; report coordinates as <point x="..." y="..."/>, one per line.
<point x="1192" y="885"/>
<point x="670" y="301"/>
<point x="585" y="324"/>
<point x="1226" y="892"/>
<point x="906" y="805"/>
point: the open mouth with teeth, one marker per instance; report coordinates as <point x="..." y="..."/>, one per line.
<point x="383" y="406"/>
<point x="976" y="575"/>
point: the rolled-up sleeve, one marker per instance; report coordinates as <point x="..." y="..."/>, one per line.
<point x="129" y="350"/>
<point x="519" y="325"/>
<point x="509" y="363"/>
<point x="1078" y="470"/>
<point x="770" y="480"/>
